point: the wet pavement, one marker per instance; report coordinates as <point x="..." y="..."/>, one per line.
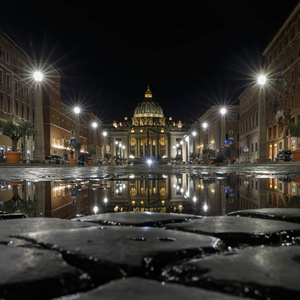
<point x="248" y="254"/>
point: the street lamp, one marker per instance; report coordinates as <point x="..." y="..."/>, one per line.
<point x="77" y="134"/>
<point x="39" y="145"/>
<point x="95" y="125"/>
<point x="262" y="131"/>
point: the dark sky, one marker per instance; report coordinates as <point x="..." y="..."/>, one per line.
<point x="192" y="53"/>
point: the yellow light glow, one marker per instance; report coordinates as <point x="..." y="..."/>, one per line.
<point x="271" y="186"/>
<point x="275" y="187"/>
<point x="213" y="191"/>
<point x="133" y="202"/>
<point x="163" y="202"/>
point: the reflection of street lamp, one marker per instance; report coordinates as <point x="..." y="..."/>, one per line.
<point x="262" y="132"/>
<point x="39" y="145"/>
<point x="95" y="125"/>
<point x="77" y="134"/>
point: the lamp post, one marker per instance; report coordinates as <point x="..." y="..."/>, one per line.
<point x="95" y="125"/>
<point x="262" y="130"/>
<point x="205" y="144"/>
<point x="194" y="133"/>
<point x="104" y="133"/>
<point x="77" y="134"/>
<point x="39" y="145"/>
<point x="223" y="112"/>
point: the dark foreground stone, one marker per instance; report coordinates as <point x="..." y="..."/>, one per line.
<point x="45" y="258"/>
<point x="30" y="273"/>
<point x="261" y="272"/>
<point x="137" y="218"/>
<point x="281" y="214"/>
<point x="132" y="248"/>
<point x="145" y="289"/>
<point x="242" y="231"/>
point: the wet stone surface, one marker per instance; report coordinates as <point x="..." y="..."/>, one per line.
<point x="281" y="214"/>
<point x="45" y="258"/>
<point x="132" y="248"/>
<point x="261" y="272"/>
<point x="145" y="289"/>
<point x="137" y="218"/>
<point x="34" y="272"/>
<point x="241" y="231"/>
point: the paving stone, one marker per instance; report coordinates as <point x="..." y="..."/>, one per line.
<point x="281" y="214"/>
<point x="260" y="272"/>
<point x="33" y="273"/>
<point x="19" y="226"/>
<point x="234" y="231"/>
<point x="132" y="248"/>
<point x="145" y="289"/>
<point x="137" y="218"/>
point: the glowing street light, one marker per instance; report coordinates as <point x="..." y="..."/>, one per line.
<point x="261" y="80"/>
<point x="38" y="76"/>
<point x="223" y="111"/>
<point x="39" y="145"/>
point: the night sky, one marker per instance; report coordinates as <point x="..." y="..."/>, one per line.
<point x="192" y="53"/>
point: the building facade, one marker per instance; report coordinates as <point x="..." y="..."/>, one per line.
<point x="18" y="99"/>
<point x="148" y="134"/>
<point x="17" y="92"/>
<point x="283" y="99"/>
<point x="217" y="132"/>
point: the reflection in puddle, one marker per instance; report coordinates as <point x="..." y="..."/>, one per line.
<point x="207" y="194"/>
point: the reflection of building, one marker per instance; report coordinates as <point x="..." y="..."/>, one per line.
<point x="147" y="134"/>
<point x="280" y="193"/>
<point x="253" y="193"/>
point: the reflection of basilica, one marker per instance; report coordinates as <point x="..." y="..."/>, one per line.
<point x="148" y="134"/>
<point x="201" y="194"/>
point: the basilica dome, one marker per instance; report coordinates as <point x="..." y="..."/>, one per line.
<point x="148" y="108"/>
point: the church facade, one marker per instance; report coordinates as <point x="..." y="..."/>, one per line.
<point x="148" y="134"/>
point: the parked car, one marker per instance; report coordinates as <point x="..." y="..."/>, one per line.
<point x="285" y="155"/>
<point x="55" y="159"/>
<point x="2" y="158"/>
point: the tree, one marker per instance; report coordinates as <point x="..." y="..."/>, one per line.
<point x="193" y="155"/>
<point x="107" y="156"/>
<point x="71" y="147"/>
<point x="15" y="131"/>
<point x="294" y="129"/>
<point x="91" y="151"/>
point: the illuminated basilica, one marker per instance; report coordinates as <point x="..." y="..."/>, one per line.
<point x="148" y="134"/>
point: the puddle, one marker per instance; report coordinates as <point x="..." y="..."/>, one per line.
<point x="206" y="194"/>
